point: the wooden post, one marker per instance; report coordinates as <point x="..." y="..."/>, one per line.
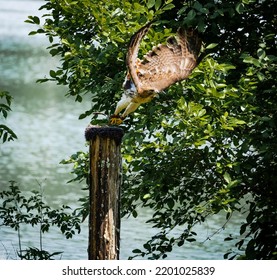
<point x="105" y="180"/>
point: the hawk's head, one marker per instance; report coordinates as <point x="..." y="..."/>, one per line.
<point x="128" y="86"/>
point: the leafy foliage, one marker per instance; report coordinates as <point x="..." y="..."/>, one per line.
<point x="6" y="134"/>
<point x="17" y="209"/>
<point x="205" y="145"/>
<point x="80" y="161"/>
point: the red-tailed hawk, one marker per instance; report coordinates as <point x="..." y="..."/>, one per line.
<point x="160" y="68"/>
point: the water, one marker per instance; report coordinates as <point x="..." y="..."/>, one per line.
<point x="48" y="130"/>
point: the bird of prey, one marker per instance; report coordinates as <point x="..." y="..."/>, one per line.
<point x="163" y="66"/>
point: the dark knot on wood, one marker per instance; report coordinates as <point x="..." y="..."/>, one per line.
<point x="114" y="133"/>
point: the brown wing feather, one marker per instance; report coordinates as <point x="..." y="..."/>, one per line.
<point x="132" y="54"/>
<point x="165" y="64"/>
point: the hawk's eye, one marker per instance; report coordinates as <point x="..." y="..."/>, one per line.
<point x="171" y="40"/>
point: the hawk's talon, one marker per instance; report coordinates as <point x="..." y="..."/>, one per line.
<point x="116" y="120"/>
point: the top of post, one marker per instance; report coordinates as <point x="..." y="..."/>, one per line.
<point x="115" y="133"/>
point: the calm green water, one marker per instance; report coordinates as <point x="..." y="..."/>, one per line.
<point x="48" y="131"/>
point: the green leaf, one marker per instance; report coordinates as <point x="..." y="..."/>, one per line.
<point x="230" y="238"/>
<point x="168" y="7"/>
<point x="33" y="20"/>
<point x="261" y="53"/>
<point x="197" y="5"/>
<point x="250" y="249"/>
<point x="191" y="15"/>
<point x="5" y="136"/>
<point x="243" y="229"/>
<point x="139" y="8"/>
<point x="147" y="196"/>
<point x="36" y="20"/>
<point x="147" y="246"/>
<point x="227" y="177"/>
<point x="190" y="239"/>
<point x="170" y="203"/>
<point x="211" y="46"/>
<point x="52" y="74"/>
<point x="240" y="8"/>
<point x="134" y="213"/>
<point x="150" y="4"/>
<point x="136" y="251"/>
<point x="261" y="76"/>
<point x="158" y="4"/>
<point x="54" y="52"/>
<point x="201" y="25"/>
<point x="32" y="33"/>
<point x="82" y="116"/>
<point x="252" y="60"/>
<point x="79" y="98"/>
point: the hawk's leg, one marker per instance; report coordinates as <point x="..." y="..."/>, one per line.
<point x="115" y="119"/>
<point x="130" y="108"/>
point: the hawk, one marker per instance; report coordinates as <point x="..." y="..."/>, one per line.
<point x="163" y="66"/>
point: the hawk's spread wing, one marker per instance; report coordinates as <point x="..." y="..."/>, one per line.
<point x="165" y="64"/>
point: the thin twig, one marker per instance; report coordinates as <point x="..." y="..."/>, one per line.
<point x="218" y="230"/>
